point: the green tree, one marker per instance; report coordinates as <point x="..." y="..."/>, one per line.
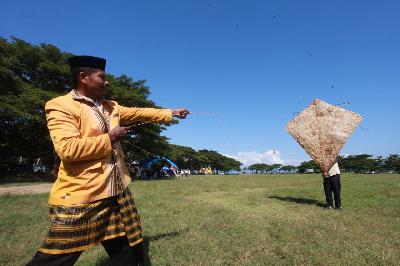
<point x="253" y="168"/>
<point x="185" y="157"/>
<point x="259" y="168"/>
<point x="219" y="162"/>
<point x="288" y="168"/>
<point x="392" y="163"/>
<point x="304" y="166"/>
<point x="188" y="158"/>
<point x="357" y="163"/>
<point x="379" y="164"/>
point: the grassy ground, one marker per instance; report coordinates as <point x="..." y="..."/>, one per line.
<point x="237" y="220"/>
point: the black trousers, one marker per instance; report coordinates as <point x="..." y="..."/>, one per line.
<point x="118" y="250"/>
<point x="332" y="184"/>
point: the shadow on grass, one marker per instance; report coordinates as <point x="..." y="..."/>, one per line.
<point x="300" y="200"/>
<point x="146" y="248"/>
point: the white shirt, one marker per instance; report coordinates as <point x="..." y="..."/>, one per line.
<point x="334" y="170"/>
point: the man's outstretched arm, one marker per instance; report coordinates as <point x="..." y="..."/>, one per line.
<point x="129" y="115"/>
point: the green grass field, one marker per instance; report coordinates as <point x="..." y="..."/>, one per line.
<point x="238" y="220"/>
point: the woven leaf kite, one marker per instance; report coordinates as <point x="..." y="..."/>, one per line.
<point x="322" y="130"/>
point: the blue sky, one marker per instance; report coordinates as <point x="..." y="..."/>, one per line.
<point x="253" y="62"/>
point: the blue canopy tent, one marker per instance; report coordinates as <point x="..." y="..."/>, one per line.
<point x="157" y="167"/>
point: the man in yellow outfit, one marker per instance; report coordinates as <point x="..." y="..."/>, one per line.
<point x="90" y="202"/>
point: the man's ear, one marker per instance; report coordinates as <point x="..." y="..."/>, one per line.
<point x="83" y="77"/>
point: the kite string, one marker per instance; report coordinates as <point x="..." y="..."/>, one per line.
<point x="216" y="114"/>
<point x="138" y="147"/>
<point x="342" y="104"/>
<point x="143" y="150"/>
<point x="192" y="113"/>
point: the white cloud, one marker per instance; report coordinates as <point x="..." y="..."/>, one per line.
<point x="252" y="157"/>
<point x="268" y="157"/>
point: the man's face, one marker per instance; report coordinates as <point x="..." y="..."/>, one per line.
<point x="96" y="83"/>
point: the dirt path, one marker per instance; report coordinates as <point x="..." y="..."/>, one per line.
<point x="30" y="189"/>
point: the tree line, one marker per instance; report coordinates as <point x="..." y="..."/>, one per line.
<point x="362" y="163"/>
<point x="261" y="168"/>
<point x="30" y="75"/>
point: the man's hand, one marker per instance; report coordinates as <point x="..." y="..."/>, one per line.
<point x="180" y="113"/>
<point x="117" y="133"/>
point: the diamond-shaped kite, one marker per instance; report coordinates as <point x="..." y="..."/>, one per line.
<point x="322" y="130"/>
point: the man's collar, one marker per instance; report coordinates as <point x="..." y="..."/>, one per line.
<point x="76" y="96"/>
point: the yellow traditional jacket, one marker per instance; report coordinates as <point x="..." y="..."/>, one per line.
<point x="90" y="164"/>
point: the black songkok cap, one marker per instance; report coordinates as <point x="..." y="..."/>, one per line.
<point x="87" y="61"/>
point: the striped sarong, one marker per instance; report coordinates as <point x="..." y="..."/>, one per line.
<point x="79" y="227"/>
